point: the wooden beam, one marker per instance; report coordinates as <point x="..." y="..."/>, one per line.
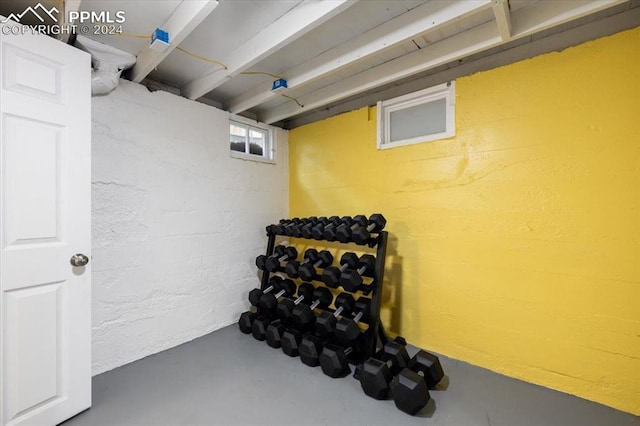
<point x="291" y="26"/>
<point x="188" y="15"/>
<point x="537" y="17"/>
<point x="423" y="19"/>
<point x="556" y="41"/>
<point x="542" y="15"/>
<point x="503" y="18"/>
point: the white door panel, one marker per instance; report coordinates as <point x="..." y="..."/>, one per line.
<point x="45" y="160"/>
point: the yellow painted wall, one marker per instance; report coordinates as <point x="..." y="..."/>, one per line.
<point x="517" y="242"/>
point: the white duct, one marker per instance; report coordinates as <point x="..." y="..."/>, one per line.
<point x="107" y="62"/>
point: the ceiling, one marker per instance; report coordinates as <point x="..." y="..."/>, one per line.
<point x="229" y="52"/>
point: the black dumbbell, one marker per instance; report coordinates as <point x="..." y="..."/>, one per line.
<point x="375" y="374"/>
<point x="276" y="329"/>
<point x="274" y="332"/>
<point x="410" y="388"/>
<point x="331" y="274"/>
<point x="305" y="230"/>
<point x="291" y="269"/>
<point x="331" y="230"/>
<point x="351" y="279"/>
<point x="271" y="229"/>
<point x="262" y="322"/>
<point x="308" y="271"/>
<point x="347" y="329"/>
<point x="303" y="316"/>
<point x="362" y="234"/>
<point x="285" y="308"/>
<point x="257" y="293"/>
<point x="280" y="227"/>
<point x="269" y="301"/>
<point x="326" y="321"/>
<point x="259" y="327"/>
<point x="262" y="259"/>
<point x="272" y="264"/>
<point x="344" y="231"/>
<point x="296" y="231"/>
<point x="334" y="360"/>
<point x="290" y="341"/>
<point x="290" y="228"/>
<point x="246" y="321"/>
<point x="317" y="231"/>
<point x="310" y="349"/>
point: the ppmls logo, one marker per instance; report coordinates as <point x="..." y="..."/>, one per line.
<point x="38" y="11"/>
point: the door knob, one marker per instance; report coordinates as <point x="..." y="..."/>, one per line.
<point x="79" y="260"/>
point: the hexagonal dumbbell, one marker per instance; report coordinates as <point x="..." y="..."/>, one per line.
<point x="410" y="386"/>
<point x="269" y="301"/>
<point x="261" y="260"/>
<point x="305" y="230"/>
<point x="362" y="234"/>
<point x="272" y="264"/>
<point x="334" y="361"/>
<point x="330" y="232"/>
<point x="326" y="321"/>
<point x="344" y="231"/>
<point x="257" y="293"/>
<point x="310" y="349"/>
<point x="347" y="330"/>
<point x="376" y="373"/>
<point x="291" y="227"/>
<point x="317" y="231"/>
<point x="285" y="308"/>
<point x="331" y="274"/>
<point x="280" y="227"/>
<point x="274" y="333"/>
<point x="291" y="269"/>
<point x="303" y="316"/>
<point x="308" y="271"/>
<point x="246" y="321"/>
<point x="351" y="279"/>
<point x="291" y="339"/>
<point x="259" y="327"/>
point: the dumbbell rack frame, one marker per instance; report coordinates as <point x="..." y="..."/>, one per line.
<point x="368" y="344"/>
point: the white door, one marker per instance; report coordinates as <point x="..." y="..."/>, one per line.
<point x="45" y="208"/>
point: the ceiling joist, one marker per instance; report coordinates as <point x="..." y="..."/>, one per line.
<point x="537" y="17"/>
<point x="427" y="17"/>
<point x="188" y="15"/>
<point x="503" y="18"/>
<point x="291" y="26"/>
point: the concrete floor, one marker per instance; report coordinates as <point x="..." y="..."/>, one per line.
<point x="228" y="378"/>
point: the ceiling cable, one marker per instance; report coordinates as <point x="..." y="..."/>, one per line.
<point x="293" y="99"/>
<point x="202" y="58"/>
<point x="213" y="61"/>
<point x="261" y="73"/>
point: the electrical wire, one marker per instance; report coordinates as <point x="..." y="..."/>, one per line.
<point x="213" y="61"/>
<point x="293" y="99"/>
<point x="261" y="73"/>
<point x="202" y="58"/>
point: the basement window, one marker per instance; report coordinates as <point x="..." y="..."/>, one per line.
<point x="423" y="116"/>
<point x="250" y="141"/>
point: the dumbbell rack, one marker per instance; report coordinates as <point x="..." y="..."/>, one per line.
<point x="367" y="345"/>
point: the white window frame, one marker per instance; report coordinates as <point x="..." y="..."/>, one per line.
<point x="269" y="152"/>
<point x="385" y="108"/>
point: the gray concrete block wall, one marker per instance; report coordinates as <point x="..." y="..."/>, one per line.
<point x="176" y="222"/>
